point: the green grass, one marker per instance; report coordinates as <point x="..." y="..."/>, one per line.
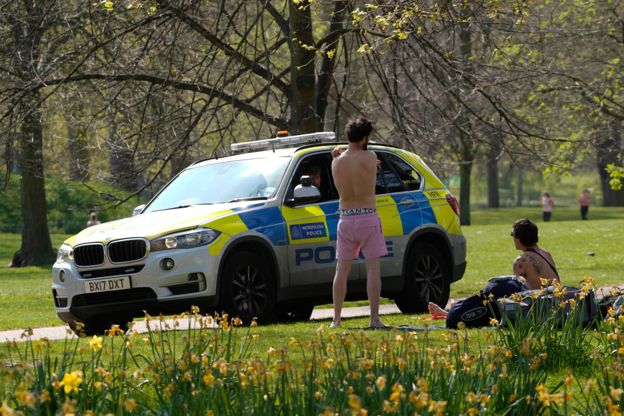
<point x="569" y="240"/>
<point x="26" y="298"/>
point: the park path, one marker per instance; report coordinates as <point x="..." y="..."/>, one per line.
<point x="62" y="332"/>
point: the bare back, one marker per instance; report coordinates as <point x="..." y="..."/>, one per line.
<point x="355" y="175"/>
<point x="533" y="267"/>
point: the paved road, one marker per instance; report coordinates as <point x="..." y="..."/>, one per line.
<point x="62" y="332"/>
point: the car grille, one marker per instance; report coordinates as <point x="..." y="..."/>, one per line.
<point x="117" y="271"/>
<point x="126" y="250"/>
<point x="89" y="255"/>
<point x="130" y="295"/>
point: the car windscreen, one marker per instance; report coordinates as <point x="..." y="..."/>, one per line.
<point x="222" y="182"/>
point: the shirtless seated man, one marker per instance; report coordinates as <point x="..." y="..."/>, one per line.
<point x="359" y="228"/>
<point x="534" y="264"/>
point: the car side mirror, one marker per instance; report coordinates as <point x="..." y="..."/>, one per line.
<point x="138" y="210"/>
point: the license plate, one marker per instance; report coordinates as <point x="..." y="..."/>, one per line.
<point x="108" y="285"/>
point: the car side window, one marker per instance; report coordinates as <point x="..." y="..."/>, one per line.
<point x="408" y="176"/>
<point x="395" y="175"/>
<point x="318" y="166"/>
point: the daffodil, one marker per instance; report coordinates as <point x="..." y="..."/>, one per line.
<point x="71" y="381"/>
<point x="95" y="343"/>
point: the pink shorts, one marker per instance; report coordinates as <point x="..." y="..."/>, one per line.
<point x="357" y="232"/>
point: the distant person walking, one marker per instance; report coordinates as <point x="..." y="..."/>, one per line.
<point x="547" y="206"/>
<point x="92" y="219"/>
<point x="584" y="202"/>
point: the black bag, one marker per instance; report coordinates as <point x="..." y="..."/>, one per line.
<point x="614" y="302"/>
<point x="543" y="303"/>
<point x="477" y="310"/>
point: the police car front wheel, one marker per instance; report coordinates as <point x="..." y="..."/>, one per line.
<point x="248" y="288"/>
<point x="427" y="279"/>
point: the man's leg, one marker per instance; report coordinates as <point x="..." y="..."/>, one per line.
<point x="339" y="288"/>
<point x="373" y="289"/>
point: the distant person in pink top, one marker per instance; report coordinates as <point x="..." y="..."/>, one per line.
<point x="547" y="205"/>
<point x="585" y="201"/>
<point x="359" y="228"/>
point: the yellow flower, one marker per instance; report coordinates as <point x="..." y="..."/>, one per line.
<point x="71" y="381"/>
<point x="26" y="398"/>
<point x="44" y="397"/>
<point x="616" y="393"/>
<point x="115" y="330"/>
<point x="329" y="363"/>
<point x="95" y="343"/>
<point x="380" y="383"/>
<point x="130" y="405"/>
<point x="209" y="380"/>
<point x="354" y="402"/>
<point x="397" y="393"/>
<point x="5" y="409"/>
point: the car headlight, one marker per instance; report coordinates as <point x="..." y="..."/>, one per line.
<point x="65" y="253"/>
<point x="185" y="239"/>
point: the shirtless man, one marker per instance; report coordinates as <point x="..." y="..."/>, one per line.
<point x="355" y="173"/>
<point x="535" y="264"/>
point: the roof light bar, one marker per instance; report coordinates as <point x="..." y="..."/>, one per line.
<point x="288" y="141"/>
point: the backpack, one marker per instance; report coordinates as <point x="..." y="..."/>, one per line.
<point x="477" y="310"/>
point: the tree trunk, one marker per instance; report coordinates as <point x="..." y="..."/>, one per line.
<point x="609" y="150"/>
<point x="304" y="117"/>
<point x="494" y="151"/>
<point x="467" y="150"/>
<point x="519" y="190"/>
<point x="464" y="192"/>
<point x="79" y="157"/>
<point x="326" y="72"/>
<point x="36" y="246"/>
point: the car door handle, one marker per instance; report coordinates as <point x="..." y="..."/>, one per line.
<point x="408" y="202"/>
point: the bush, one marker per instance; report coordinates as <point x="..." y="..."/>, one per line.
<point x="68" y="205"/>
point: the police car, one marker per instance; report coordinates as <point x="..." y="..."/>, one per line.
<point x="251" y="235"/>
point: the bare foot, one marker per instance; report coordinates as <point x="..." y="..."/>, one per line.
<point x="378" y="325"/>
<point x="435" y="310"/>
<point x="334" y="324"/>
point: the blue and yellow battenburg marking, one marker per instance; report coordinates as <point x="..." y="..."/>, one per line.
<point x="399" y="214"/>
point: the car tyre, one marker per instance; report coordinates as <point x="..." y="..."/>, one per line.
<point x="294" y="313"/>
<point x="427" y="279"/>
<point x="248" y="288"/>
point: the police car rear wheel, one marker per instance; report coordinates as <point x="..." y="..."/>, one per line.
<point x="248" y="289"/>
<point x="427" y="279"/>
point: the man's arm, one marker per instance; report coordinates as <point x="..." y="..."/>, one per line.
<point x="519" y="267"/>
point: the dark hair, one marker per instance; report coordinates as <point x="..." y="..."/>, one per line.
<point x="526" y="231"/>
<point x="357" y="129"/>
<point x="311" y="169"/>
